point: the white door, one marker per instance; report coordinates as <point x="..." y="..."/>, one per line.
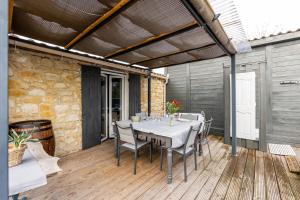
<point x="245" y="106"/>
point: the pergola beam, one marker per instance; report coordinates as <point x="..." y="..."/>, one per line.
<point x="175" y="53"/>
<point x="189" y="6"/>
<point x="113" y="12"/>
<point x="11" y="11"/>
<point x="153" y="39"/>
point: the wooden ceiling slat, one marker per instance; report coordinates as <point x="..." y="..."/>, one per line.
<point x="153" y="39"/>
<point x="113" y="12"/>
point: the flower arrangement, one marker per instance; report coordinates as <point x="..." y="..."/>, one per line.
<point x="173" y="106"/>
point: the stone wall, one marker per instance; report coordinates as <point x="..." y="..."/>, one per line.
<point x="46" y="87"/>
<point x="158" y="95"/>
<point x="42" y="86"/>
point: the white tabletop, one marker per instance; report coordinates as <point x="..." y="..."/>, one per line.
<point x="177" y="132"/>
<point x="26" y="176"/>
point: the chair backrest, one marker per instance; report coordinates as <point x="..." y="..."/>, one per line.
<point x="203" y="114"/>
<point x="191" y="137"/>
<point x="125" y="132"/>
<point x="189" y="116"/>
<point x="206" y="128"/>
<point x="142" y="115"/>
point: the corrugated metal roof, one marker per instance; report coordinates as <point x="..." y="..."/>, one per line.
<point x="230" y="20"/>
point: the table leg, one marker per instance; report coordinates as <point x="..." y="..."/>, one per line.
<point x="170" y="164"/>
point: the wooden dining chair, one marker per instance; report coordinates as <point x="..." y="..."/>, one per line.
<point x="202" y="136"/>
<point x="187" y="149"/>
<point x="128" y="137"/>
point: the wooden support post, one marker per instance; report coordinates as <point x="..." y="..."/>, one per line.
<point x="233" y="105"/>
<point x="149" y="92"/>
<point x="4" y="99"/>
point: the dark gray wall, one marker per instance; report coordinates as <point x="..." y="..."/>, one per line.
<point x="199" y="86"/>
<point x="285" y="61"/>
<point x="278" y="119"/>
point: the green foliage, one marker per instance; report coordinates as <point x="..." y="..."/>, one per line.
<point x="19" y="139"/>
<point x="173" y="107"/>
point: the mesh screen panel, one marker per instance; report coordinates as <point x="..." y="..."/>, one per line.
<point x="188" y="40"/>
<point x="191" y="39"/>
<point x="208" y="53"/>
<point x="169" y="60"/>
<point x="122" y="32"/>
<point x="76" y="14"/>
<point x="59" y="21"/>
<point x="159" y="16"/>
<point x="37" y="28"/>
<point x="131" y="57"/>
<point x="92" y="45"/>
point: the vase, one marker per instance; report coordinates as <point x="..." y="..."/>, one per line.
<point x="171" y="120"/>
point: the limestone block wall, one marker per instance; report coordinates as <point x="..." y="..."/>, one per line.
<point x="158" y="95"/>
<point x="46" y="87"/>
<point x="42" y="86"/>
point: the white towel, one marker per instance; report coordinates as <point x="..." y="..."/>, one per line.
<point x="47" y="163"/>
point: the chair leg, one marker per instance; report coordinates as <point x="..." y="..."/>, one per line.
<point x="118" y="155"/>
<point x="161" y="158"/>
<point x="200" y="148"/>
<point x="151" y="152"/>
<point x="208" y="148"/>
<point x="184" y="165"/>
<point x="195" y="159"/>
<point x="135" y="160"/>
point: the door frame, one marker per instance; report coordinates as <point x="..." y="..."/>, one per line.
<point x="261" y="144"/>
<point x="122" y="77"/>
<point x="106" y="108"/>
<point x="125" y="97"/>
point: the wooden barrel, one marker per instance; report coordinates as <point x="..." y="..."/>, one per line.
<point x="39" y="129"/>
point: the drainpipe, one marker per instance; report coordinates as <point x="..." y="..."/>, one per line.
<point x="4" y="99"/>
<point x="233" y="104"/>
<point x="149" y="91"/>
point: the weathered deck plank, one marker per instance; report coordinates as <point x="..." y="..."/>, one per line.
<point x="282" y="179"/>
<point x="236" y="181"/>
<point x="294" y="179"/>
<point x="246" y="192"/>
<point x="93" y="174"/>
<point x="271" y="180"/>
<point x="259" y="180"/>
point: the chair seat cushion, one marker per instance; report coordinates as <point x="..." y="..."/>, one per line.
<point x="180" y="150"/>
<point x="140" y="143"/>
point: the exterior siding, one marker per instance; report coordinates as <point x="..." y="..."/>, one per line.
<point x="206" y="79"/>
<point x="176" y="87"/>
<point x="285" y="98"/>
<point x="207" y="91"/>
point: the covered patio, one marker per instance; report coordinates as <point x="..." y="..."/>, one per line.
<point x="128" y="39"/>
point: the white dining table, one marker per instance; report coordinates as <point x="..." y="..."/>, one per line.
<point x="26" y="176"/>
<point x="174" y="134"/>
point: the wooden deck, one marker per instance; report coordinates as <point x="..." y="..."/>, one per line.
<point x="93" y="174"/>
